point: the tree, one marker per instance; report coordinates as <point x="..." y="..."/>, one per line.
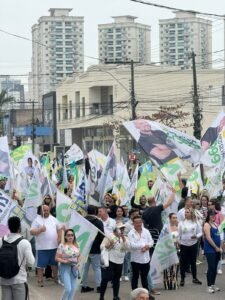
<point x="4" y="99"/>
<point x="171" y="116"/>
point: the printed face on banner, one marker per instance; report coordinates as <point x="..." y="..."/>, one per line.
<point x="162" y="143"/>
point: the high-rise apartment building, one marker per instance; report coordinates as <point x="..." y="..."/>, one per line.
<point x="185" y="33"/>
<point x="124" y="40"/>
<point x="57" y="50"/>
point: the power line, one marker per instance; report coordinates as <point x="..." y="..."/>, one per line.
<point x="178" y="9"/>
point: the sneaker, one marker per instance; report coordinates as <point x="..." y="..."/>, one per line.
<point x="98" y="289"/>
<point x="154" y="292"/>
<point x="216" y="288"/>
<point x="126" y="278"/>
<point x="196" y="281"/>
<point x="86" y="289"/>
<point x="151" y="297"/>
<point x="219" y="272"/>
<point x="198" y="262"/>
<point x="182" y="282"/>
<point x="210" y="290"/>
<point x="121" y="279"/>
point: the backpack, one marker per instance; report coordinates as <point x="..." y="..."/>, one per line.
<point x="9" y="265"/>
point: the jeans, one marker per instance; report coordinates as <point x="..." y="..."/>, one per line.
<point x="94" y="260"/>
<point x="188" y="256"/>
<point x="68" y="276"/>
<point x="126" y="264"/>
<point x="143" y="270"/>
<point x="150" y="284"/>
<point x="113" y="272"/>
<point x="212" y="261"/>
<point x="14" y="291"/>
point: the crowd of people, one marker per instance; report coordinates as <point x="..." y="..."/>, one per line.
<point x="122" y="250"/>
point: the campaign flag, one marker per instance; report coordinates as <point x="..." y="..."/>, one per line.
<point x="194" y="182"/>
<point x="79" y="197"/>
<point x="162" y="191"/>
<point x="132" y="188"/>
<point x="85" y="232"/>
<point x="164" y="255"/>
<point x="20" y="152"/>
<point x="122" y="184"/>
<point x="211" y="145"/>
<point x="147" y="173"/>
<point x="163" y="143"/>
<point x="9" y="208"/>
<point x="214" y="180"/>
<point x="4" y="157"/>
<point x="33" y="196"/>
<point x="108" y="174"/>
<point x="74" y="154"/>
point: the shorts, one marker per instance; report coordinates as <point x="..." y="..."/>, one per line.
<point x="45" y="258"/>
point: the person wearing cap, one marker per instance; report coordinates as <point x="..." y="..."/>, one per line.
<point x="139" y="294"/>
<point x="116" y="244"/>
<point x="212" y="249"/>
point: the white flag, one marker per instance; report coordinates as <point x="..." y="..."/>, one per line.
<point x="164" y="255"/>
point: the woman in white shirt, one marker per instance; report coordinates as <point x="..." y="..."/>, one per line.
<point x="189" y="231"/>
<point x="68" y="256"/>
<point x="116" y="245"/>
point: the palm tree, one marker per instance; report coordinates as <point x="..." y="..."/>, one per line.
<point x="4" y="99"/>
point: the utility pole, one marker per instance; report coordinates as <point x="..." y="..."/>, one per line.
<point x="133" y="102"/>
<point x="196" y="109"/>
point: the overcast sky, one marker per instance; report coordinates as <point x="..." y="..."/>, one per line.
<point x="18" y="16"/>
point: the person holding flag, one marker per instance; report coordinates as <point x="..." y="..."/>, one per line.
<point x="67" y="255"/>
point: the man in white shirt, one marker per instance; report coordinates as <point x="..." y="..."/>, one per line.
<point x="108" y="223"/>
<point x="16" y="287"/>
<point x="140" y="241"/>
<point x="46" y="230"/>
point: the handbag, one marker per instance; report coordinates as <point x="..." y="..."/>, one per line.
<point x="104" y="258"/>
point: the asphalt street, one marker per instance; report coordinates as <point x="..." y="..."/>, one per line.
<point x="51" y="291"/>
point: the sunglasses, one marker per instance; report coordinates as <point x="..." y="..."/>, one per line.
<point x="70" y="234"/>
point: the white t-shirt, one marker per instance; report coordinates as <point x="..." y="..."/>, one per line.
<point x="109" y="225"/>
<point x="49" y="239"/>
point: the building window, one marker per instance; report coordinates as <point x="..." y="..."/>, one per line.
<point x="68" y="43"/>
<point x="58" y="112"/>
<point x="83" y="106"/>
<point x="58" y="23"/>
<point x="71" y="112"/>
<point x="118" y="29"/>
<point x="58" y="30"/>
<point x="59" y="49"/>
<point x="67" y="23"/>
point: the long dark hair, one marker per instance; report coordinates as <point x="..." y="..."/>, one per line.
<point x="75" y="240"/>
